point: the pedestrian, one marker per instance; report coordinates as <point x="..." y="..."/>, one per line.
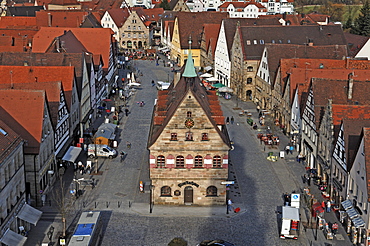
<point x="291" y="148"/>
<point x="287" y="149"/>
<point x="304" y="178"/>
<point x="286" y="199"/>
<point x="227" y="120"/>
<point x="258" y="108"/>
<point x="328" y="206"/>
<point x="309" y="181"/>
<point x="153" y="83"/>
<point x="323" y="205"/>
<point x="230" y="206"/>
<point x="128" y="144"/>
<point x="334" y="227"/>
<point x="126" y="111"/>
<point x="122" y="155"/>
<point x="232" y="120"/>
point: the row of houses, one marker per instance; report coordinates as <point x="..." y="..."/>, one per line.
<point x="49" y="97"/>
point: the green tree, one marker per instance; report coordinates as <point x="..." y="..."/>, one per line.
<point x="334" y="10"/>
<point x="362" y="23"/>
<point x="349" y="23"/>
<point x="165" y="5"/>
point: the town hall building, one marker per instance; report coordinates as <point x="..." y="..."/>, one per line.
<point x="188" y="144"/>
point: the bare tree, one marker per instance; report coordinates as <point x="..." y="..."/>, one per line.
<point x="64" y="202"/>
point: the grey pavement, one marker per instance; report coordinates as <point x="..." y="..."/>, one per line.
<point x="259" y="185"/>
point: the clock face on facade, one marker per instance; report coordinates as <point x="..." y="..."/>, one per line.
<point x="189" y="123"/>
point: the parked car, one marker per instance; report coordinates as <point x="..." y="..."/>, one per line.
<point x="101" y="150"/>
<point x="215" y="243"/>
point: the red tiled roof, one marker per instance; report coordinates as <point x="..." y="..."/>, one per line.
<point x="56" y="18"/>
<point x="340" y="112"/>
<point x="17" y="21"/>
<point x="87" y="36"/>
<point x="52" y="90"/>
<point x="153" y="14"/>
<point x="198" y="19"/>
<point x="119" y="16"/>
<point x="26" y="107"/>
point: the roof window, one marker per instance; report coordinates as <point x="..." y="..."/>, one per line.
<point x="3" y="132"/>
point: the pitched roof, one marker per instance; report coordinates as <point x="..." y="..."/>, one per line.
<point x="352" y="136"/>
<point x="338" y="94"/>
<point x="56" y="18"/>
<point x="52" y="90"/>
<point x="211" y="33"/>
<point x="17" y="21"/>
<point x="119" y="16"/>
<point x="24" y="10"/>
<point x="301" y="77"/>
<point x="169" y="101"/>
<point x="153" y="14"/>
<point x="87" y="36"/>
<point x="9" y="140"/>
<point x="197" y="19"/>
<point x="24" y="111"/>
<point x="277" y="51"/>
<point x="259" y="36"/>
<point x="356" y="112"/>
<point x="67" y="43"/>
<point x="355" y="43"/>
<point x="26" y="74"/>
<point x="230" y="26"/>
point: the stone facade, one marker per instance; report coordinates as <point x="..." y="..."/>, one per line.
<point x="189" y="159"/>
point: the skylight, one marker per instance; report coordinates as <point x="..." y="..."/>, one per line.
<point x="3" y="132"/>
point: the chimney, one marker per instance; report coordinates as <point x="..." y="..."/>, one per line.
<point x="49" y="19"/>
<point x="350" y="85"/>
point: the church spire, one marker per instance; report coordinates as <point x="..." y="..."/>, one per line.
<point x="189" y="71"/>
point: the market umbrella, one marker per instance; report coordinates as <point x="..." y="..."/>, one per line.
<point x="226" y="89"/>
<point x="212" y="79"/>
<point x="134" y="84"/>
<point x="205" y="75"/>
<point x="218" y="85"/>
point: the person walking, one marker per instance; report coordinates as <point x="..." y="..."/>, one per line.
<point x="287" y="149"/>
<point x="126" y="111"/>
<point x="334" y="228"/>
<point x="122" y="155"/>
<point x="128" y="144"/>
<point x="232" y="120"/>
<point x="230" y="206"/>
<point x="227" y="120"/>
<point x="323" y="205"/>
<point x="328" y="206"/>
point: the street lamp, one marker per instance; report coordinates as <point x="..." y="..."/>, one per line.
<point x="50" y="234"/>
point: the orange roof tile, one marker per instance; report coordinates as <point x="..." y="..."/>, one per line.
<point x="57" y="18"/>
<point x="26" y="107"/>
<point x="340" y="112"/>
<point x="87" y="36"/>
<point x="17" y="21"/>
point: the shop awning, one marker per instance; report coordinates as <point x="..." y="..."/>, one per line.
<point x="347" y="204"/>
<point x="72" y="154"/>
<point x="29" y="214"/>
<point x="358" y="222"/>
<point x="13" y="239"/>
<point x="352" y="213"/>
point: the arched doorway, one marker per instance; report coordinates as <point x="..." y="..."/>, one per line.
<point x="248" y="95"/>
<point x="140" y="44"/>
<point x="188" y="195"/>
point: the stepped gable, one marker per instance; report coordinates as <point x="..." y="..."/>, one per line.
<point x="169" y="101"/>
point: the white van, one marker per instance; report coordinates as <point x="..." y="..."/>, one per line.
<point x="101" y="150"/>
